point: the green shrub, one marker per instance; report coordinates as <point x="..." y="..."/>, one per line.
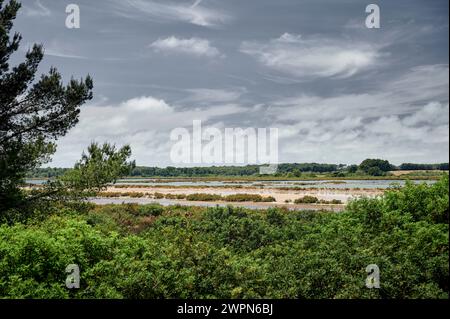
<point x="203" y="197"/>
<point x="158" y="195"/>
<point x="248" y="198"/>
<point x="333" y="201"/>
<point x="306" y="200"/>
<point x="175" y="196"/>
<point x="151" y="251"/>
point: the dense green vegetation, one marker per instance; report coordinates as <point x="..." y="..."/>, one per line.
<point x="376" y="167"/>
<point x="132" y="251"/>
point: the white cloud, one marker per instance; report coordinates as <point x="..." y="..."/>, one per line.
<point x="314" y="57"/>
<point x="290" y="38"/>
<point x="193" y="46"/>
<point x="351" y="140"/>
<point x="143" y="122"/>
<point x="147" y="104"/>
<point x="170" y="10"/>
<point x="398" y="122"/>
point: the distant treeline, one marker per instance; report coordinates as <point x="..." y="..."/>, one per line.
<point x="295" y="169"/>
<point x="47" y="172"/>
<point x="248" y="170"/>
<point x="428" y="167"/>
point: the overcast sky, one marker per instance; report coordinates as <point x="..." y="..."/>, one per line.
<point x="337" y="91"/>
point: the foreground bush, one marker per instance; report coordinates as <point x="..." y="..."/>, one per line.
<point x="132" y="251"/>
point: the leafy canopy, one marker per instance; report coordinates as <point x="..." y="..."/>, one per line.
<point x="33" y="115"/>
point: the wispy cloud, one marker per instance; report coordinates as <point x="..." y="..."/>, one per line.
<point x="36" y="9"/>
<point x="399" y="96"/>
<point x="314" y="57"/>
<point x="208" y="96"/>
<point x="193" y="13"/>
<point x="61" y="50"/>
<point x="196" y="3"/>
<point x="193" y="46"/>
<point x="60" y="54"/>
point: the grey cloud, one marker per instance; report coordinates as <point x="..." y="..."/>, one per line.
<point x="389" y="120"/>
<point x="399" y="96"/>
<point x="314" y="57"/>
<point x="337" y="91"/>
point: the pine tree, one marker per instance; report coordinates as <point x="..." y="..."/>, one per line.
<point x="33" y="113"/>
